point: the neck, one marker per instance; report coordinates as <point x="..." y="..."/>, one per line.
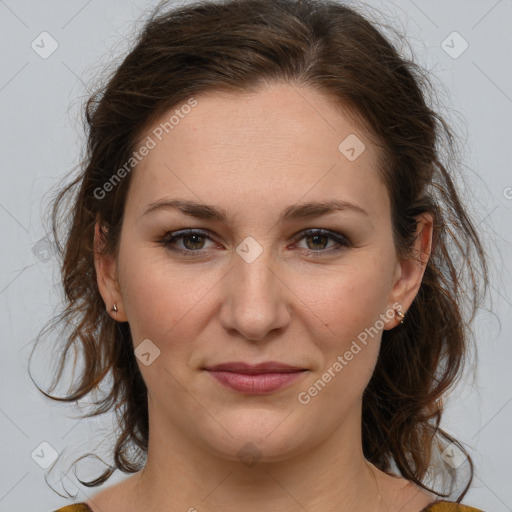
<point x="180" y="474"/>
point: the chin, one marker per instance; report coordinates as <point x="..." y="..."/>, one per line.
<point x="258" y="436"/>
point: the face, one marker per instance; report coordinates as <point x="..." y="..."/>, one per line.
<point x="268" y="279"/>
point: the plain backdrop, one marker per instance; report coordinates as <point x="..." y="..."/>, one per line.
<point x="42" y="88"/>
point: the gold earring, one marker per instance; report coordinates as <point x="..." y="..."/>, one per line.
<point x="114" y="308"/>
<point x="401" y="315"/>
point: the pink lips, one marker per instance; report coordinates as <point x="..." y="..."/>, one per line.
<point x="255" y="379"/>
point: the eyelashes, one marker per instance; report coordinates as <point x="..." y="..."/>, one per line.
<point x="195" y="237"/>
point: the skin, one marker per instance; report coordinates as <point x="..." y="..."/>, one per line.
<point x="254" y="155"/>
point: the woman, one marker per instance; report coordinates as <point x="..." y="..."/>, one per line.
<point x="264" y="267"/>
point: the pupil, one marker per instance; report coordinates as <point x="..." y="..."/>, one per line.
<point x="316" y="237"/>
<point x="188" y="237"/>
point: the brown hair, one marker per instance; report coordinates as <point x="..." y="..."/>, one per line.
<point x="237" y="46"/>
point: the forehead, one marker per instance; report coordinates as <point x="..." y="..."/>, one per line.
<point x="278" y="145"/>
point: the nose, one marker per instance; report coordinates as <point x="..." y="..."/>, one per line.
<point x="256" y="303"/>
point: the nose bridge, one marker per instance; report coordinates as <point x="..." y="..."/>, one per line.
<point x="256" y="279"/>
<point x="255" y="301"/>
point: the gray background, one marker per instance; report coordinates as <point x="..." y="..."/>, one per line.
<point x="41" y="134"/>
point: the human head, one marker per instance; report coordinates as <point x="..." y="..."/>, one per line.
<point x="332" y="50"/>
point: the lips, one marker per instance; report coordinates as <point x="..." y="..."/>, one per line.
<point x="249" y="369"/>
<point x="256" y="379"/>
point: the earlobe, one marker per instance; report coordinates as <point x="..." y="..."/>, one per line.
<point x="412" y="269"/>
<point x="106" y="275"/>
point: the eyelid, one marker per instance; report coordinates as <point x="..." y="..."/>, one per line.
<point x="342" y="242"/>
<point x="338" y="237"/>
<point x="172" y="236"/>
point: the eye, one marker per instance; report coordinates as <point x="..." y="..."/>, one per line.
<point x="319" y="238"/>
<point x="193" y="242"/>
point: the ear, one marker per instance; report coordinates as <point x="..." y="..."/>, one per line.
<point x="106" y="275"/>
<point x="411" y="270"/>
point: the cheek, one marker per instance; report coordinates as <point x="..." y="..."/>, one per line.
<point x="350" y="298"/>
<point x="347" y="306"/>
<point x="348" y="353"/>
<point x="162" y="300"/>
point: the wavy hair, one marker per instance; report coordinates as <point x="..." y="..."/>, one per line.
<point x="237" y="46"/>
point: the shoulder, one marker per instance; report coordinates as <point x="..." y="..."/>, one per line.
<point x="116" y="497"/>
<point x="408" y="497"/>
<point x="445" y="506"/>
<point x="77" y="507"/>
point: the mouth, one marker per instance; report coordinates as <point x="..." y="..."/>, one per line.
<point x="257" y="379"/>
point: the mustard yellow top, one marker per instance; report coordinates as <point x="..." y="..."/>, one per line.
<point x="441" y="506"/>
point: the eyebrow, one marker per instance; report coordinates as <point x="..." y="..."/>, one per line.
<point x="299" y="211"/>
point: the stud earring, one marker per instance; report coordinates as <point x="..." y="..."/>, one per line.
<point x="114" y="308"/>
<point x="401" y="315"/>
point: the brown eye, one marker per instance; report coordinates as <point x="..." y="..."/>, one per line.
<point x="192" y="242"/>
<point x="195" y="241"/>
<point x="317" y="241"/>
